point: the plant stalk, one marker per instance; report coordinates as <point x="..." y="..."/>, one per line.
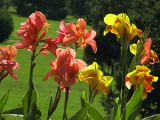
<point x="65" y="104"/>
<point x="124" y="72"/>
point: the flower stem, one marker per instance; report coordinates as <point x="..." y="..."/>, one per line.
<point x="65" y="104"/>
<point x="53" y="105"/>
<point x="124" y="72"/>
<point x="32" y="65"/>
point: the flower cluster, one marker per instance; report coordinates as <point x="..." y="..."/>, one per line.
<point x="65" y="68"/>
<point x="138" y="76"/>
<point x="7" y="62"/>
<point x="120" y="25"/>
<point x="76" y="34"/>
<point x="30" y="31"/>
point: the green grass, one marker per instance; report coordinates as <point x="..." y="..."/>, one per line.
<point x="45" y="89"/>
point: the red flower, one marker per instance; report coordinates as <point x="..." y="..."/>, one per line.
<point x="30" y="30"/>
<point x="65" y="68"/>
<point x="7" y="62"/>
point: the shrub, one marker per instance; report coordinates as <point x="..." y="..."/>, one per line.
<point x="6" y="26"/>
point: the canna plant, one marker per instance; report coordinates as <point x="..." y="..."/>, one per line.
<point x="66" y="70"/>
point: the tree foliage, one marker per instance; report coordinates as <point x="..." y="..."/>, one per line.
<point x="53" y="9"/>
<point x="6" y="26"/>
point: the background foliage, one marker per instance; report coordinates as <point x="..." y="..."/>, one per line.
<point x="6" y="26"/>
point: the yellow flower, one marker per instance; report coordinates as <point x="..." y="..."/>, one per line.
<point x="141" y="75"/>
<point x="94" y="77"/>
<point x="120" y="25"/>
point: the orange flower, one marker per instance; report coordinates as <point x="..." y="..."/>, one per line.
<point x="138" y="76"/>
<point x="148" y="55"/>
<point x="76" y="33"/>
<point x="30" y="30"/>
<point x="49" y="46"/>
<point x="7" y="62"/>
<point x="65" y="68"/>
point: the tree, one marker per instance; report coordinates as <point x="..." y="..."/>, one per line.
<point x="53" y="9"/>
<point x="6" y="26"/>
<point x="77" y="7"/>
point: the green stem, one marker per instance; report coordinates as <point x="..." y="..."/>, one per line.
<point x="92" y="94"/>
<point x="124" y="72"/>
<point x="53" y="106"/>
<point x="65" y="104"/>
<point x="30" y="82"/>
<point x="32" y="65"/>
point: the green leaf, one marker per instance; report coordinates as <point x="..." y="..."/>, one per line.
<point x="134" y="105"/>
<point x="83" y="99"/>
<point x="81" y="114"/>
<point x="14" y="112"/>
<point x="30" y="109"/>
<point x="94" y="113"/>
<point x="153" y="117"/>
<point x="53" y="104"/>
<point x="34" y="113"/>
<point x="88" y="117"/>
<point x="116" y="111"/>
<point x="88" y="112"/>
<point x="3" y="101"/>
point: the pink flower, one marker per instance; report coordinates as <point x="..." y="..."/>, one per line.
<point x="65" y="68"/>
<point x="7" y="62"/>
<point x="30" y="30"/>
<point x="76" y="34"/>
<point x="62" y="32"/>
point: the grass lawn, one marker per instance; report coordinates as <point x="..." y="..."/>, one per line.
<point x="45" y="89"/>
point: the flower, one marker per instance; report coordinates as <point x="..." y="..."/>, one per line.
<point x="65" y="68"/>
<point x="76" y="33"/>
<point x="94" y="77"/>
<point x="7" y="62"/>
<point x="138" y="76"/>
<point x="30" y="30"/>
<point x="49" y="46"/>
<point x="120" y="25"/>
<point x="146" y="55"/>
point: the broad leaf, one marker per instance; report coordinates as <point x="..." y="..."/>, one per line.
<point x="94" y="113"/>
<point x="14" y="112"/>
<point x="153" y="117"/>
<point x="29" y="101"/>
<point x="88" y="112"/>
<point x="83" y="99"/>
<point x="116" y="111"/>
<point x="134" y="105"/>
<point x="81" y="114"/>
<point x="3" y="101"/>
